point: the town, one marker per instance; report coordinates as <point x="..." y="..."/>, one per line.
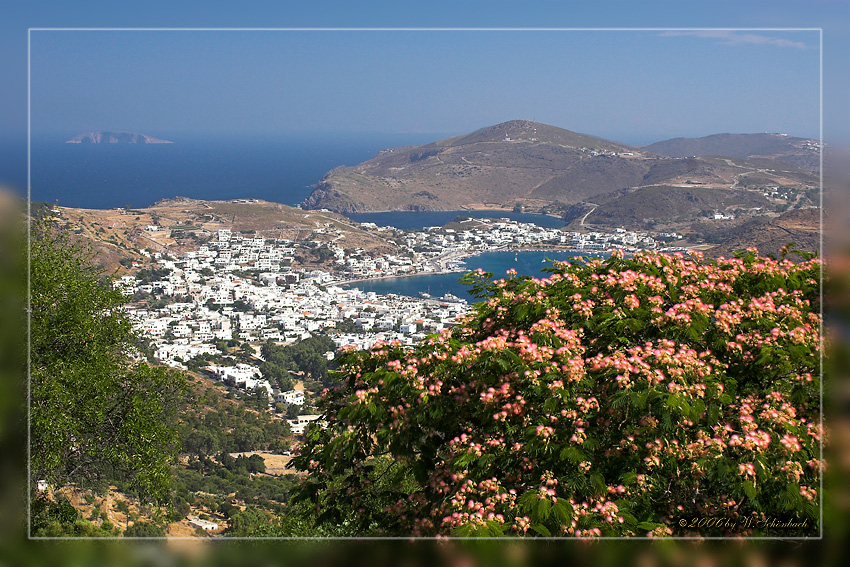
<point x="242" y="289"/>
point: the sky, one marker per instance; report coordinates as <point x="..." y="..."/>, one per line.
<point x="635" y="87"/>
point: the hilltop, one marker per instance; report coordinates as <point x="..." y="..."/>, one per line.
<point x="108" y="137"/>
<point x="496" y="166"/>
<point x="538" y="167"/>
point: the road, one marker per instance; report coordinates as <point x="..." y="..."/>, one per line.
<point x="588" y="213"/>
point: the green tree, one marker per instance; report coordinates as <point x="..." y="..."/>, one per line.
<point x="254" y="463"/>
<point x="279" y="446"/>
<point x="258" y="398"/>
<point x="144" y="529"/>
<point x="249" y="438"/>
<point x="293" y="411"/>
<point x="244" y="522"/>
<point x="94" y="413"/>
<point x="227" y="508"/>
<point x="201" y="442"/>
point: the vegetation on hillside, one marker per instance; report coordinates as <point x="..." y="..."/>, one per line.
<point x="307" y="356"/>
<point x="96" y="416"/>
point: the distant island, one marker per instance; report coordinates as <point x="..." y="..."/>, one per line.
<point x="115" y="138"/>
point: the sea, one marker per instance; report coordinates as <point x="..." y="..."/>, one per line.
<point x="281" y="169"/>
<point x="529" y="262"/>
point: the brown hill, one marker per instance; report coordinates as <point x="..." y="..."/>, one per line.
<point x="803" y="152"/>
<point x="497" y="165"/>
<point x="530" y="164"/>
<point x="646" y="207"/>
<point x="802" y="227"/>
<point x="177" y="225"/>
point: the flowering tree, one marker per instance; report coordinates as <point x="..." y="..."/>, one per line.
<point x="652" y="395"/>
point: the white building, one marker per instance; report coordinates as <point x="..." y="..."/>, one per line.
<point x="299" y="425"/>
<point x="206" y="525"/>
<point x="295" y="397"/>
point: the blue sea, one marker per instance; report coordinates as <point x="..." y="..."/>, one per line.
<point x="281" y="169"/>
<point x="529" y="263"/>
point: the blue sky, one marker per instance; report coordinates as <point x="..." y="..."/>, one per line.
<point x="635" y="87"/>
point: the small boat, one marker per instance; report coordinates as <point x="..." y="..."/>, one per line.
<point x="516" y="257"/>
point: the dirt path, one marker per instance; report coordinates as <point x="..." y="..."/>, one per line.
<point x="588" y="214"/>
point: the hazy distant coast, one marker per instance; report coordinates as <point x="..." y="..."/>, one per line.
<point x="110" y="137"/>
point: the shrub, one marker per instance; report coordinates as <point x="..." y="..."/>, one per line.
<point x="618" y="397"/>
<point x="144" y="529"/>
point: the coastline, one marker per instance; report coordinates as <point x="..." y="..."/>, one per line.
<point x="493" y="213"/>
<point x="354" y="282"/>
<point x="396" y="276"/>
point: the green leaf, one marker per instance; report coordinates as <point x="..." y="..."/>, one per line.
<point x="749" y="488"/>
<point x="562" y="511"/>
<point x="463" y="530"/>
<point x="598" y="483"/>
<point x="572" y="454"/>
<point x="544" y="506"/>
<point x="628" y="478"/>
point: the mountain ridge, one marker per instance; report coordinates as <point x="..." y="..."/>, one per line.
<point x="803" y="152"/>
<point x="536" y="166"/>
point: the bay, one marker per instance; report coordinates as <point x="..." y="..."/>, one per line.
<point x="531" y="263"/>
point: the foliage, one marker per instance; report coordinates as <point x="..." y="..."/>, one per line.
<point x="244" y="522"/>
<point x="213" y="424"/>
<point x="59" y="518"/>
<point x="615" y="397"/>
<point x="152" y="274"/>
<point x="279" y="446"/>
<point x="217" y="481"/>
<point x="94" y="414"/>
<point x="45" y="511"/>
<point x="258" y="398"/>
<point x="144" y="529"/>
<point x="304" y="356"/>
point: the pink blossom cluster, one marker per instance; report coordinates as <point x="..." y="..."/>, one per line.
<point x="613" y="392"/>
